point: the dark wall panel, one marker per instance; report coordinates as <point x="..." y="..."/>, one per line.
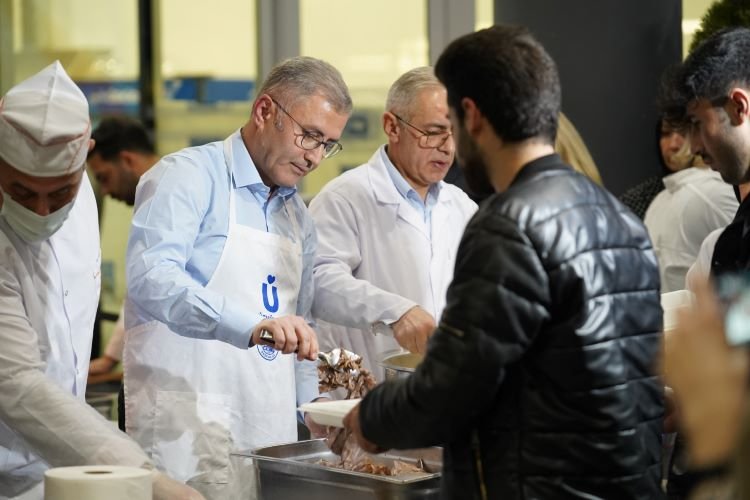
<point x="610" y="54"/>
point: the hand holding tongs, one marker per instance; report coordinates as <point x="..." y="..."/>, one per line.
<point x="330" y="358"/>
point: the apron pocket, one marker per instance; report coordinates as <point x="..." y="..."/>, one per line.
<point x="191" y="436"/>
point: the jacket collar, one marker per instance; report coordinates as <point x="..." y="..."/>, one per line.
<point x="541" y="164"/>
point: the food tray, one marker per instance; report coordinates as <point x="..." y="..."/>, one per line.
<point x="290" y="471"/>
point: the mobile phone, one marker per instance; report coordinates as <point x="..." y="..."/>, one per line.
<point x="734" y="294"/>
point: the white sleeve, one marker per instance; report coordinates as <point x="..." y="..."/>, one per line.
<point x="60" y="428"/>
<point x="701" y="268"/>
<point x="341" y="298"/>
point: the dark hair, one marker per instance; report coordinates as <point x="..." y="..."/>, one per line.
<point x="117" y="133"/>
<point x="710" y="70"/>
<point x="510" y="77"/>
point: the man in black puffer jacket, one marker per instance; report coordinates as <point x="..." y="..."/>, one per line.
<point x="540" y="379"/>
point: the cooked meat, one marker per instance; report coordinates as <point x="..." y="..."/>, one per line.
<point x="347" y="373"/>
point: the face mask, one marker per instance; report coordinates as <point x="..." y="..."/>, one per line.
<point x="30" y="226"/>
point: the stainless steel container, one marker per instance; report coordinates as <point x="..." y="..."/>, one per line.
<point x="399" y="364"/>
<point x="290" y="471"/>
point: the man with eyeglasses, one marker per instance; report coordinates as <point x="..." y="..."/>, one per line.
<point x="222" y="248"/>
<point x="388" y="231"/>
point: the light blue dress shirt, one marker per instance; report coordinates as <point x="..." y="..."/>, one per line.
<point x="179" y="229"/>
<point x="410" y="195"/>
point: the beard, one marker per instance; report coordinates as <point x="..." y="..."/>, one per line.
<point x="474" y="168"/>
<point x="127" y="188"/>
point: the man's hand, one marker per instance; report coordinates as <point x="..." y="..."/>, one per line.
<point x="412" y="330"/>
<point x="351" y="424"/>
<point x="671" y="415"/>
<point x="709" y="379"/>
<point x="290" y="334"/>
<point x="166" y="488"/>
<point x="101" y="365"/>
<point x="316" y="430"/>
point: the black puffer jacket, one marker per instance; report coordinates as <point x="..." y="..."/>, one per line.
<point x="540" y="380"/>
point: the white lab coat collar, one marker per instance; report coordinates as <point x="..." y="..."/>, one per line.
<point x="383" y="187"/>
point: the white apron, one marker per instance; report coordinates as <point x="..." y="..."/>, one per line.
<point x="190" y="402"/>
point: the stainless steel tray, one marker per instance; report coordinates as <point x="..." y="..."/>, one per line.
<point x="290" y="471"/>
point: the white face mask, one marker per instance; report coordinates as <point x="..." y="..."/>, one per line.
<point x="30" y="226"/>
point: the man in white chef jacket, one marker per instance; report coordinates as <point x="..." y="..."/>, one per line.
<point x="49" y="289"/>
<point x="388" y="231"/>
<point x="221" y="248"/>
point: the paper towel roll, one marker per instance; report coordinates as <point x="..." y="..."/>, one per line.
<point x="93" y="482"/>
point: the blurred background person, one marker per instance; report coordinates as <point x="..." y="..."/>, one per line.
<point x="572" y="149"/>
<point x="673" y="156"/>
<point x="694" y="202"/>
<point x="122" y="153"/>
<point x="710" y="382"/>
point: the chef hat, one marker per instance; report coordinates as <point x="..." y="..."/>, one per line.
<point x="44" y="124"/>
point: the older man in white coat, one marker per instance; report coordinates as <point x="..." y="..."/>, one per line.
<point x="388" y="231"/>
<point x="49" y="289"/>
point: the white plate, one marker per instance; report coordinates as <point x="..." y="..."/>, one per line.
<point x="330" y="413"/>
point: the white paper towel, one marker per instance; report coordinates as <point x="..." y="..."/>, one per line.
<point x="93" y="482"/>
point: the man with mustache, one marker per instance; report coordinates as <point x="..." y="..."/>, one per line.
<point x="388" y="231"/>
<point x="221" y="249"/>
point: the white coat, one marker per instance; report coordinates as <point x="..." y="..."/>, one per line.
<point x="49" y="292"/>
<point x="377" y="258"/>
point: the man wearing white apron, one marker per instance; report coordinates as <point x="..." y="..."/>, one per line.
<point x="49" y="290"/>
<point x="221" y="248"/>
<point x="388" y="231"/>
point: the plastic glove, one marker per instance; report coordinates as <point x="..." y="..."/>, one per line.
<point x="166" y="488"/>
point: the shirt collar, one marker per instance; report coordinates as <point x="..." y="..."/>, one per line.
<point x="402" y="186"/>
<point x="245" y="173"/>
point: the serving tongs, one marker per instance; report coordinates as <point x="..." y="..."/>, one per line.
<point x="330" y="358"/>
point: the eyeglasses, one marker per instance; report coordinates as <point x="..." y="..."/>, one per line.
<point x="428" y="140"/>
<point x="308" y="140"/>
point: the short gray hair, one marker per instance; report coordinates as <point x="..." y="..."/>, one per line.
<point x="301" y="77"/>
<point x="404" y="91"/>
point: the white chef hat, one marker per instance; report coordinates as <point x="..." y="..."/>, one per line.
<point x="44" y="124"/>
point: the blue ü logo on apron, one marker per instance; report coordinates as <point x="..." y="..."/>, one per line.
<point x="269" y="353"/>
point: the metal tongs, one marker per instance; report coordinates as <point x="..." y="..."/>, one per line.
<point x="330" y="358"/>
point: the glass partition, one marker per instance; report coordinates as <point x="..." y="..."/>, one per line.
<point x="351" y="36"/>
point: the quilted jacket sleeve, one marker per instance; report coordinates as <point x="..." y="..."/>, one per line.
<point x="497" y="303"/>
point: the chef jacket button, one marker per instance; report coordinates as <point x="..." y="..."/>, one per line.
<point x="66" y="293"/>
